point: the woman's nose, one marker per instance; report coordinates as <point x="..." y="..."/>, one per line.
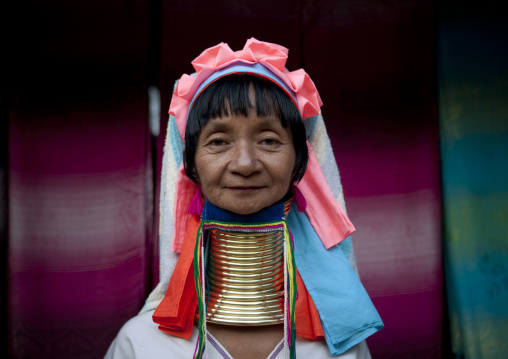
<point x="244" y="161"/>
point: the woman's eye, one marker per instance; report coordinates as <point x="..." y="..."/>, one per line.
<point x="217" y="142"/>
<point x="270" y="142"/>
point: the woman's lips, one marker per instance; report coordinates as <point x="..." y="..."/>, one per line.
<point x="245" y="188"/>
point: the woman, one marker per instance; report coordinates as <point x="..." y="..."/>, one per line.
<point x="259" y="273"/>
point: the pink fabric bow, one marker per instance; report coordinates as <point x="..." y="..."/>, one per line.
<point x="272" y="56"/>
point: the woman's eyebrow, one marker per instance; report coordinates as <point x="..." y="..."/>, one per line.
<point x="272" y="122"/>
<point x="216" y="125"/>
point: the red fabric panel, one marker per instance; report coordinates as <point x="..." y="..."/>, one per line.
<point x="307" y="321"/>
<point x="175" y="313"/>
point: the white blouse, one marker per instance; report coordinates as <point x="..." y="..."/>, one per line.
<point x="140" y="338"/>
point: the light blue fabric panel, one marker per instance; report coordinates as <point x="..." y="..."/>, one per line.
<point x="347" y="313"/>
<point x="346" y="246"/>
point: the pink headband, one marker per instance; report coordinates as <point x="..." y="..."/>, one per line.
<point x="272" y="56"/>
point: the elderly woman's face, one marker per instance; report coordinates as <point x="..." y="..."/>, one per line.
<point x="245" y="164"/>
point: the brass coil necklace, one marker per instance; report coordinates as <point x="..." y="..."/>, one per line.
<point x="245" y="273"/>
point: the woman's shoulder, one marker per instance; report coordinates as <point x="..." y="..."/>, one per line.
<point x="140" y="338"/>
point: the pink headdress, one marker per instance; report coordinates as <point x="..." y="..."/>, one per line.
<point x="271" y="56"/>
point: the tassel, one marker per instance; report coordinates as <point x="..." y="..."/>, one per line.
<point x="291" y="292"/>
<point x="301" y="203"/>
<point x="200" y="290"/>
<point x="196" y="205"/>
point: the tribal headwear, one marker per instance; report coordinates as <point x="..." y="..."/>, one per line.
<point x="257" y="57"/>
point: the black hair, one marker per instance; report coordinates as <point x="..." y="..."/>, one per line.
<point x="228" y="96"/>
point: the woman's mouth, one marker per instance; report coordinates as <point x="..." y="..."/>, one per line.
<point x="245" y="188"/>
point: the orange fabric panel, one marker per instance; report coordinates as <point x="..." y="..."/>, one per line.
<point x="175" y="314"/>
<point x="307" y="321"/>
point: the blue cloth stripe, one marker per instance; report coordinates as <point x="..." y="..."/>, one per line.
<point x="273" y="213"/>
<point x="176" y="141"/>
<point x="346" y="311"/>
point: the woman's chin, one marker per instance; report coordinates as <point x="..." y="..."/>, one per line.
<point x="244" y="207"/>
<point x="245" y="201"/>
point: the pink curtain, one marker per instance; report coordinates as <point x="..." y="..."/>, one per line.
<point x="80" y="177"/>
<point x="79" y="215"/>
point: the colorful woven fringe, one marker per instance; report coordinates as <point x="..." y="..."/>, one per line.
<point x="291" y="290"/>
<point x="290" y="293"/>
<point x="200" y="290"/>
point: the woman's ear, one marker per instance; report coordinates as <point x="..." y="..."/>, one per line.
<point x="293" y="175"/>
<point x="196" y="175"/>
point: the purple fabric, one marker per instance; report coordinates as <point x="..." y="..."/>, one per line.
<point x="277" y="351"/>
